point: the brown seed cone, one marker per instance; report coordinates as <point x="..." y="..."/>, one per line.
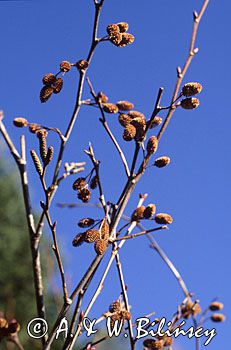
<point x="58" y="85"/>
<point x="13" y="326"/>
<point x="149" y="211"/>
<point x="104" y="229"/>
<point x="127" y="39"/>
<point x="218" y="318"/>
<point x="34" y="128"/>
<point x="3" y="323"/>
<point x="147" y="343"/>
<point x="101" y="98"/>
<point x="124" y="119"/>
<point x="113" y="28"/>
<point x="84" y="195"/>
<point x="191" y="89"/>
<point x="91" y="236"/>
<point x="136" y="114"/>
<point x="138" y="213"/>
<point x="49" y="79"/>
<point x="110" y="108"/>
<point x="152" y="145"/>
<point x="78" y="240"/>
<point x="129" y="133"/>
<point x="101" y="246"/>
<point x="50" y="153"/>
<point x="162" y="162"/>
<point x="65" y="66"/>
<point x="124" y="105"/>
<point x="115" y="38"/>
<point x="114" y="307"/>
<point x="168" y="341"/>
<point x="163" y="219"/>
<point x="94" y="182"/>
<point x="20" y="122"/>
<point x="215" y="306"/>
<point x="190" y="103"/>
<point x="37" y="163"/>
<point x="157" y="345"/>
<point x="140" y="129"/>
<point x="86" y="222"/>
<point x="190" y="309"/>
<point x="126" y="315"/>
<point x="43" y="148"/>
<point x="155" y="122"/>
<point x="115" y="317"/>
<point x="79" y="184"/>
<point x="46" y="93"/>
<point x="41" y="133"/>
<point x="82" y="65"/>
<point x="123" y="27"/>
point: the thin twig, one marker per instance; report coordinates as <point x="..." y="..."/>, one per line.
<point x="142" y="233"/>
<point x="181" y="73"/>
<point x="108" y="130"/>
<point x="55" y="248"/>
<point x="34" y="242"/>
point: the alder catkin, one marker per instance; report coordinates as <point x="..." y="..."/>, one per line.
<point x="37" y="163"/>
<point x="50" y="153"/>
<point x="20" y="122"/>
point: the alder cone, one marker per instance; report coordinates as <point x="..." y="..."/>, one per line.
<point x="138" y="213"/>
<point x="91" y="236"/>
<point x="218" y="318"/>
<point x="115" y="306"/>
<point x="20" y="122"/>
<point x="123" y="27"/>
<point x="101" y="97"/>
<point x="78" y="240"/>
<point x="58" y="85"/>
<point x="125" y="105"/>
<point x="124" y="119"/>
<point x="113" y="28"/>
<point x="163" y="219"/>
<point x="191" y="89"/>
<point x="110" y="108"/>
<point x="82" y="64"/>
<point x="65" y="66"/>
<point x="101" y="246"/>
<point x="46" y="93"/>
<point x="84" y="195"/>
<point x="86" y="222"/>
<point x="79" y="183"/>
<point x="161" y="162"/>
<point x="49" y="79"/>
<point x="215" y="306"/>
<point x="129" y="133"/>
<point x="149" y="211"/>
<point x="152" y="145"/>
<point x="127" y="39"/>
<point x="190" y="103"/>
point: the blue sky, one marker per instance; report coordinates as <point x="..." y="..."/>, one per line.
<point x="195" y="188"/>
